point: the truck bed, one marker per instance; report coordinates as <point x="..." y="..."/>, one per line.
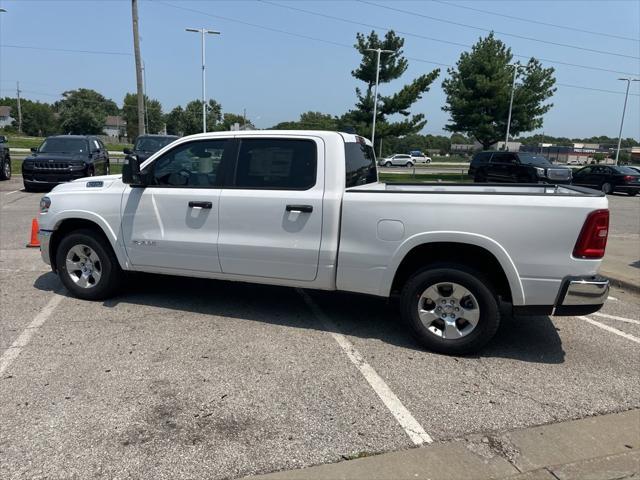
<point x="479" y="188"/>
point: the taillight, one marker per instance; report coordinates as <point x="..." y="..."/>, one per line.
<point x="629" y="178"/>
<point x="593" y="236"/>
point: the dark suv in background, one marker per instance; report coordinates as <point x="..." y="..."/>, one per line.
<point x="516" y="167"/>
<point x="63" y="158"/>
<point x="5" y="159"/>
<point x="147" y="145"/>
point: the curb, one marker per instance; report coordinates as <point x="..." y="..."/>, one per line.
<point x="622" y="283"/>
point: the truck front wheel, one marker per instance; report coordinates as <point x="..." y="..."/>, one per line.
<point x="451" y="309"/>
<point x="87" y="266"/>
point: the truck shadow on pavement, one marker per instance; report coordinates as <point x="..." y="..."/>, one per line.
<point x="526" y="339"/>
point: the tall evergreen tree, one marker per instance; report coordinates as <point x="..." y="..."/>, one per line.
<point x="479" y="88"/>
<point x="392" y="67"/>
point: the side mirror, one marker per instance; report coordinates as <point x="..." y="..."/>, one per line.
<point x="127" y="151"/>
<point x="34" y="149"/>
<point x="131" y="172"/>
<point x="3" y="139"/>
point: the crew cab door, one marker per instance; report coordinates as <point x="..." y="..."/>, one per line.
<point x="271" y="211"/>
<point x="172" y="223"/>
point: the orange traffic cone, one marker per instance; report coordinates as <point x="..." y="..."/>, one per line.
<point x="34" y="243"/>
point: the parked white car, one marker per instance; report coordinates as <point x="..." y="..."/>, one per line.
<point x="305" y="209"/>
<point x="398" y="160"/>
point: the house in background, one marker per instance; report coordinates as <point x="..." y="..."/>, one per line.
<point x="115" y="127"/>
<point x="5" y="116"/>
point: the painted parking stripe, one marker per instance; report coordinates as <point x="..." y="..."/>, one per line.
<point x="612" y="298"/>
<point x="11" y="353"/>
<point x="408" y="423"/>
<point x="611" y="329"/>
<point x="9" y="193"/>
<point x="615" y="317"/>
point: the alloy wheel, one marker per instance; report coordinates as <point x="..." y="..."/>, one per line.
<point x="84" y="266"/>
<point x="448" y="310"/>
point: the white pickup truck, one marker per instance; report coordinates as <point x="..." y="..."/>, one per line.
<point x="305" y="209"/>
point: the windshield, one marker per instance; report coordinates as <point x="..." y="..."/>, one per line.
<point x="626" y="170"/>
<point x="531" y="159"/>
<point x="64" y="145"/>
<point x="152" y="144"/>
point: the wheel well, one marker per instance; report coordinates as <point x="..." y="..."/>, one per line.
<point x="465" y="254"/>
<point x="67" y="226"/>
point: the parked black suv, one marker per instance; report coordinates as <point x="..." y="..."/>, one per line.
<point x="147" y="145"/>
<point x="516" y="167"/>
<point x="63" y="158"/>
<point x="5" y="159"/>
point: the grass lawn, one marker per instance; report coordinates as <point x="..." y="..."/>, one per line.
<point x="423" y="178"/>
<point x="28" y="142"/>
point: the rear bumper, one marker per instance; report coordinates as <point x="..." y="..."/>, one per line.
<point x="577" y="296"/>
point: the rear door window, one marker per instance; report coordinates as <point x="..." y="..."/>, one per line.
<point x="360" y="164"/>
<point x="504" y="158"/>
<point x="276" y="164"/>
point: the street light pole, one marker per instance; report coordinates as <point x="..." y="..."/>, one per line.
<point x="628" y="80"/>
<point x="516" y="67"/>
<point x="202" y="32"/>
<point x="375" y="91"/>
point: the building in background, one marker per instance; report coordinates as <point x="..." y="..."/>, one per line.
<point x="115" y="127"/>
<point x="5" y="116"/>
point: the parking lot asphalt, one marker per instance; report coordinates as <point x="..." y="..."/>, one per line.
<point x="182" y="378"/>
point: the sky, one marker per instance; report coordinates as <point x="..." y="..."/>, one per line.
<point x="277" y="62"/>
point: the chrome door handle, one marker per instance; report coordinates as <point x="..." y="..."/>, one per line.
<point x="300" y="208"/>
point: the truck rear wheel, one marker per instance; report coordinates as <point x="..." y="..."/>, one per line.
<point x="451" y="309"/>
<point x="87" y="266"/>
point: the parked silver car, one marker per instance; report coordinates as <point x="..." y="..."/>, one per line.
<point x="398" y="160"/>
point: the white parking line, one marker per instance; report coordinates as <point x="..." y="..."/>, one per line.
<point x="11" y="353"/>
<point x="612" y="298"/>
<point x="615" y="317"/>
<point x="409" y="424"/>
<point x="14" y="191"/>
<point x="611" y="329"/>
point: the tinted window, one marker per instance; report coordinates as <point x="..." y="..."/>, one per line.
<point x="194" y="164"/>
<point x="503" y="158"/>
<point x="625" y="170"/>
<point x="152" y="144"/>
<point x="64" y="145"/>
<point x="530" y="159"/>
<point x="276" y="164"/>
<point x="360" y="162"/>
<point x="403" y="156"/>
<point x="482" y="157"/>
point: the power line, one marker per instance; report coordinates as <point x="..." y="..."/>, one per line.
<point x="522" y="37"/>
<point x="95" y="52"/>
<point x="423" y="37"/>
<point x="537" y="22"/>
<point x="595" y="89"/>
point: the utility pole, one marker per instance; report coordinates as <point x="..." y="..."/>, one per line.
<point x="202" y="32"/>
<point x="19" y="108"/>
<point x="244" y="116"/>
<point x="136" y="51"/>
<point x="628" y="80"/>
<point x="516" y="67"/>
<point x="144" y="97"/>
<point x="375" y="92"/>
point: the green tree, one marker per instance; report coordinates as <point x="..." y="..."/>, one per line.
<point x="479" y="87"/>
<point x="392" y="67"/>
<point x="175" y="121"/>
<point x="155" y="118"/>
<point x="84" y="111"/>
<point x="311" y="121"/>
<point x="230" y="119"/>
<point x="38" y="118"/>
<point x="192" y="117"/>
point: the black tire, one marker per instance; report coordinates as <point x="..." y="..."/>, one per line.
<point x="480" y="178"/>
<point x="107" y="169"/>
<point x="473" y="282"/>
<point x="632" y="193"/>
<point x="5" y="171"/>
<point x="110" y="272"/>
<point x="388" y="164"/>
<point x="606" y="188"/>
<point x="28" y="187"/>
<point x="409" y="165"/>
